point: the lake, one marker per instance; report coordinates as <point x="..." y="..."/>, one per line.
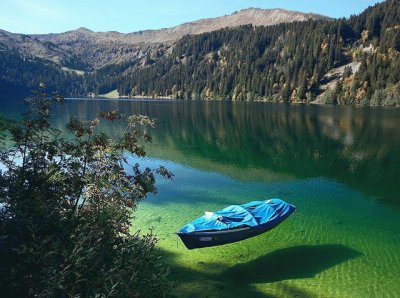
<point x="340" y="166"/>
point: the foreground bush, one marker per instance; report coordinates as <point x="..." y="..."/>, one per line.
<point x="66" y="207"/>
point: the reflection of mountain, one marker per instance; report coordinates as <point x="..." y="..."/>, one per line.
<point x="359" y="147"/>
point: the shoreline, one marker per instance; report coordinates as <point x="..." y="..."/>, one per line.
<point x="164" y="98"/>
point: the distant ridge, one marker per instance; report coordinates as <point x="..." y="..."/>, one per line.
<point x="98" y="49"/>
<point x="84" y="49"/>
<point x="253" y="16"/>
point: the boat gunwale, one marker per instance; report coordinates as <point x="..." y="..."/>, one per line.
<point x="231" y="230"/>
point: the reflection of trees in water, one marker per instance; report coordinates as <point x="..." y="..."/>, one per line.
<point x="360" y="147"/>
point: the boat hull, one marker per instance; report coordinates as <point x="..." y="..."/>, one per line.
<point x="215" y="238"/>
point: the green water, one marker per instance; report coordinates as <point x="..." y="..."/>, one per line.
<point x="339" y="165"/>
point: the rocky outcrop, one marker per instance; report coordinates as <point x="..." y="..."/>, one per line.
<point x="30" y="46"/>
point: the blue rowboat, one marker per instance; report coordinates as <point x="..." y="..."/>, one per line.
<point x="235" y="223"/>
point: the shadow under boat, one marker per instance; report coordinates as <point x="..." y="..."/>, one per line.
<point x="305" y="261"/>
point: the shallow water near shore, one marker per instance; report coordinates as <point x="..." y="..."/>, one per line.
<point x="338" y="165"/>
<point x="338" y="243"/>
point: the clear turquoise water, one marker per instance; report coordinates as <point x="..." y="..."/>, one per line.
<point x="339" y="166"/>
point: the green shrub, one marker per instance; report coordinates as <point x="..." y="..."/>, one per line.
<point x="67" y="204"/>
<point x="387" y="97"/>
<point x="329" y="97"/>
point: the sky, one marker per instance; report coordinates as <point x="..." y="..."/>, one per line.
<point x="54" y="16"/>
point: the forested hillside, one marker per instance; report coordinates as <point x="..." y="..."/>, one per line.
<point x="287" y="62"/>
<point x="343" y="61"/>
<point x="21" y="73"/>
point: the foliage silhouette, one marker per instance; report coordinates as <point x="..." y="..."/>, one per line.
<point x="67" y="203"/>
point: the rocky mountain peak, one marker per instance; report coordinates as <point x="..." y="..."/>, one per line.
<point x="83" y="30"/>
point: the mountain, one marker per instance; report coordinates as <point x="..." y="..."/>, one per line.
<point x="253" y="54"/>
<point x="250" y="16"/>
<point x="30" y="46"/>
<point x="88" y="50"/>
<point x="253" y="16"/>
<point x="99" y="49"/>
<point x="354" y="61"/>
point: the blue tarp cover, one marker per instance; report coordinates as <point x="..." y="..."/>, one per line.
<point x="251" y="214"/>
